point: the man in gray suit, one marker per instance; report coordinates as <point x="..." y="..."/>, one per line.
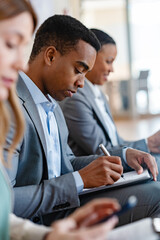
<point x="46" y="176"/>
<point x="88" y="116"/>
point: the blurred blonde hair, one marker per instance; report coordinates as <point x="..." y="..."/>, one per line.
<point x="4" y="123"/>
<point x="9" y="9"/>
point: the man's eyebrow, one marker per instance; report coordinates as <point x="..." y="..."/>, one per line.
<point x="83" y="65"/>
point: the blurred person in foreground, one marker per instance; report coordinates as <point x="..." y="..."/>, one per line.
<point x="17" y="23"/>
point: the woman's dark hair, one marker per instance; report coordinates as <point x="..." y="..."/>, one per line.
<point x="103" y="37"/>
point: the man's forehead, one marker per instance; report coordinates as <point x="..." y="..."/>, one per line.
<point x="82" y="43"/>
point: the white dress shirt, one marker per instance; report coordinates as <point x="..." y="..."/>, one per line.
<point x="101" y="106"/>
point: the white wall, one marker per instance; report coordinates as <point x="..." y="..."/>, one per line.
<point x="47" y="8"/>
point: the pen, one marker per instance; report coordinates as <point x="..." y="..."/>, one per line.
<point x="105" y="151"/>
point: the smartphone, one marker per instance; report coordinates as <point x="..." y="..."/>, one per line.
<point x="131" y="203"/>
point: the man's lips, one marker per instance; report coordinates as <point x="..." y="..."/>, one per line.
<point x="69" y="93"/>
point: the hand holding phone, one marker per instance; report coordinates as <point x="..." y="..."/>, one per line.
<point x="131" y="203"/>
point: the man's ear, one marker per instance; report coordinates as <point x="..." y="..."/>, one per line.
<point x="49" y="55"/>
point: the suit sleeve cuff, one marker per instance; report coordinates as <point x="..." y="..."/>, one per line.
<point x="124" y="154"/>
<point x="146" y="141"/>
<point x="79" y="181"/>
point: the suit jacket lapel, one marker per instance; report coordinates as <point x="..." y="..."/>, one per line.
<point x="29" y="105"/>
<point x="90" y="97"/>
<point x="106" y="105"/>
<point x="108" y="111"/>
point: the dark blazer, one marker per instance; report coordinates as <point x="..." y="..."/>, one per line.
<point x="86" y="125"/>
<point x="35" y="194"/>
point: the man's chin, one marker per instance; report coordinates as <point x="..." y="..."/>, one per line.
<point x="61" y="97"/>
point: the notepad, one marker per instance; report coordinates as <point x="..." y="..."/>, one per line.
<point x="127" y="179"/>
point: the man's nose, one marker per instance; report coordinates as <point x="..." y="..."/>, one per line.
<point x="80" y="81"/>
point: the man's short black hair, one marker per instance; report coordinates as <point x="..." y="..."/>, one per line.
<point x="103" y="37"/>
<point x="63" y="32"/>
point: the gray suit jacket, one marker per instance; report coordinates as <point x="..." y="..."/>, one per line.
<point x="87" y="128"/>
<point x="39" y="198"/>
<point x="35" y="194"/>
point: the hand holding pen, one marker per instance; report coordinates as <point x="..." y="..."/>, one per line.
<point x="105" y="151"/>
<point x="101" y="171"/>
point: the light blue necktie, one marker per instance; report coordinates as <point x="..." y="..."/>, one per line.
<point x="53" y="146"/>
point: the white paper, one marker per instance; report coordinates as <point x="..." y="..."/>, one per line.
<point x="128" y="178"/>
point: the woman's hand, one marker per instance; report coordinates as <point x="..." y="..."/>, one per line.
<point x="81" y="224"/>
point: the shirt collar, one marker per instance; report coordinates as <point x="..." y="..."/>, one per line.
<point x="94" y="88"/>
<point x="37" y="95"/>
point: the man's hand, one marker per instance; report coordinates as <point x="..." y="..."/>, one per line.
<point x="78" y="226"/>
<point x="136" y="158"/>
<point x="102" y="171"/>
<point x="154" y="142"/>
